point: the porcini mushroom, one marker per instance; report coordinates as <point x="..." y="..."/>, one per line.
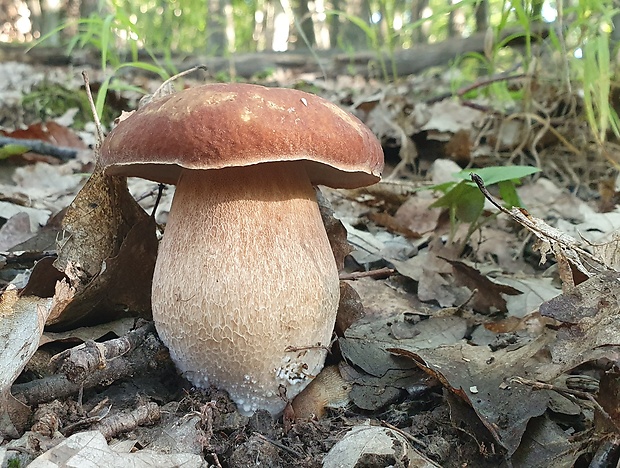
<point x="245" y="289"/>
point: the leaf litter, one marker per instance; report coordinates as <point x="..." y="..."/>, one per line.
<point x="469" y="343"/>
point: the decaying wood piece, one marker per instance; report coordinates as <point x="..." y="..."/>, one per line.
<point x="144" y="415"/>
<point x="150" y="356"/>
<point x="78" y="362"/>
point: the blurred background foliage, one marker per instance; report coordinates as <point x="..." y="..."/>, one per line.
<point x="578" y="54"/>
<point x="217" y="27"/>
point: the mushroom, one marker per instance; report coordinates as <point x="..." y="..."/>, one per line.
<point x="245" y="289"/>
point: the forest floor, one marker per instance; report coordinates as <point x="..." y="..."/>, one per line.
<point x="472" y="336"/>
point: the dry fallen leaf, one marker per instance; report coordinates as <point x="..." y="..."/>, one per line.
<point x="107" y="249"/>
<point x="417" y="215"/>
<point x="91" y="449"/>
<point x="363" y="443"/>
<point x="488" y="297"/>
<point x="15" y="231"/>
<point x="21" y="324"/>
<point x="477" y="375"/>
<point x="552" y="240"/>
<point x="591" y="327"/>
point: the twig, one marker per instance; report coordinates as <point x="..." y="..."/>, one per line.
<point x="26" y="257"/>
<point x="556" y="388"/>
<point x="73" y="428"/>
<point x="505" y="76"/>
<point x="604" y="413"/>
<point x="78" y="362"/>
<point x="144" y="415"/>
<point x="150" y="357"/>
<point x="294" y="349"/>
<point x="19" y="449"/>
<point x="403" y="433"/>
<point x="166" y="87"/>
<point x="545" y="233"/>
<point x="160" y="192"/>
<point x="569" y="391"/>
<point x="279" y="445"/>
<point x="41" y="147"/>
<point x="162" y="90"/>
<point x="93" y="109"/>
<point x="380" y="274"/>
<point x="546" y="126"/>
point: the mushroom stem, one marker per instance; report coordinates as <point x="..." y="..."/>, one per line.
<point x="244" y="272"/>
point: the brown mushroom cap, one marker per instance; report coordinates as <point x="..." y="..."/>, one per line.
<point x="227" y="125"/>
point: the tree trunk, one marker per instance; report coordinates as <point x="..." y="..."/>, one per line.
<point x="352" y="35"/>
<point x="50" y="20"/>
<point x="271" y="7"/>
<point x="230" y="26"/>
<point x="35" y="15"/>
<point x="72" y="15"/>
<point x="417" y="8"/>
<point x="321" y="27"/>
<point x="88" y="7"/>
<point x="536" y="9"/>
<point x="334" y="22"/>
<point x="216" y="39"/>
<point x="304" y="37"/>
<point x="482" y="15"/>
<point x="451" y="19"/>
<point x="260" y="25"/>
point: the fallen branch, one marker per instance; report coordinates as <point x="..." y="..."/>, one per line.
<point x="152" y="356"/>
<point x="381" y="273"/>
<point x="40" y="147"/>
<point x="144" y="415"/>
<point x="79" y="362"/>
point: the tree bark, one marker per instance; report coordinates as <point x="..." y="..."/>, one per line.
<point x="305" y="24"/>
<point x="351" y="35"/>
<point x="417" y="7"/>
<point x="216" y="38"/>
<point x="482" y="15"/>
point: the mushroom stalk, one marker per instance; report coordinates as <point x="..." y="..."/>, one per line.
<point x="246" y="289"/>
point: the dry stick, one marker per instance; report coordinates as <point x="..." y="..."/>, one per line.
<point x="78" y="362"/>
<point x="569" y="391"/>
<point x="148" y="358"/>
<point x="206" y="417"/>
<point x="144" y="415"/>
<point x="26" y="257"/>
<point x="41" y="147"/>
<point x="162" y="89"/>
<point x="545" y="123"/>
<point x="279" y="445"/>
<point x="478" y="84"/>
<point x="160" y="192"/>
<point x="526" y="221"/>
<point x="565" y="390"/>
<point x="556" y="388"/>
<point x="380" y="273"/>
<point x="93" y="109"/>
<point x="166" y="87"/>
<point x="75" y="427"/>
<point x="403" y="433"/>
